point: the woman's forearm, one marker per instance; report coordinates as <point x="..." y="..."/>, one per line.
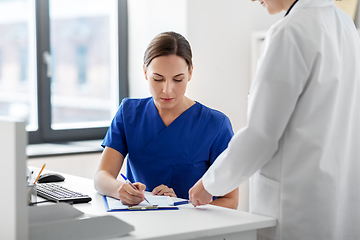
<point x="225" y="202"/>
<point x="106" y="184"/>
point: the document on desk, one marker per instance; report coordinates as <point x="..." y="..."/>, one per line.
<point x="158" y="203"/>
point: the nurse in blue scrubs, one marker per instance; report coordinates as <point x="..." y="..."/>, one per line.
<point x="170" y="139"/>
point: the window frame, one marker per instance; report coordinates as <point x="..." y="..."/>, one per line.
<point x="44" y="133"/>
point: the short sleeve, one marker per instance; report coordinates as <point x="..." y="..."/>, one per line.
<point x="115" y="136"/>
<point x="222" y="140"/>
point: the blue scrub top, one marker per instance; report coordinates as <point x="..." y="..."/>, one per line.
<point x="177" y="155"/>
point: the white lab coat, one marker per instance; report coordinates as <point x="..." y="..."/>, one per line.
<point x="301" y="146"/>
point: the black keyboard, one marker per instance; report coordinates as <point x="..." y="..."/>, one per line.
<point x="58" y="193"/>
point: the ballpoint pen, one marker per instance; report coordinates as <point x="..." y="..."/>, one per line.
<point x="30" y="176"/>
<point x="181" y="202"/>
<point x="132" y="185"/>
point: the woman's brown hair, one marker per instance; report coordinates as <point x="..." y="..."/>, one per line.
<point x="168" y="43"/>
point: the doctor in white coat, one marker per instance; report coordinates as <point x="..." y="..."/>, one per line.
<point x="301" y="146"/>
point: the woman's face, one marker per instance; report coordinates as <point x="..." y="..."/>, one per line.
<point x="168" y="77"/>
<point x="272" y="6"/>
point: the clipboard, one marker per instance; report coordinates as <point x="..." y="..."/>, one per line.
<point x="160" y="203"/>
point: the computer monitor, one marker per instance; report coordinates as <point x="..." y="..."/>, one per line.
<point x="13" y="205"/>
<point x="14" y="223"/>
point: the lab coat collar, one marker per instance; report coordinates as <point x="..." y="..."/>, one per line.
<point x="311" y="3"/>
<point x="288" y="11"/>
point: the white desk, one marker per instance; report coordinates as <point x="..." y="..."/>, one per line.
<point x="206" y="222"/>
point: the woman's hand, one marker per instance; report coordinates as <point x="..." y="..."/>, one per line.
<point x="130" y="196"/>
<point x="198" y="195"/>
<point x="163" y="190"/>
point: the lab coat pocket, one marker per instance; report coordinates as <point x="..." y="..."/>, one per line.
<point x="264" y="195"/>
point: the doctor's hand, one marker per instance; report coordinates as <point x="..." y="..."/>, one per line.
<point x="198" y="195"/>
<point x="130" y="196"/>
<point x="163" y="190"/>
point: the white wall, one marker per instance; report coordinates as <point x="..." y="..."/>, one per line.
<point x="82" y="165"/>
<point x="220" y="34"/>
<point x="147" y="18"/>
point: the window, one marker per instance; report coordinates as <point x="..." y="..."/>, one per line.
<point x="63" y="66"/>
<point x="0" y="67"/>
<point x="82" y="56"/>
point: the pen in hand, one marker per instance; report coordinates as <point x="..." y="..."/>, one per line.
<point x="132" y="185"/>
